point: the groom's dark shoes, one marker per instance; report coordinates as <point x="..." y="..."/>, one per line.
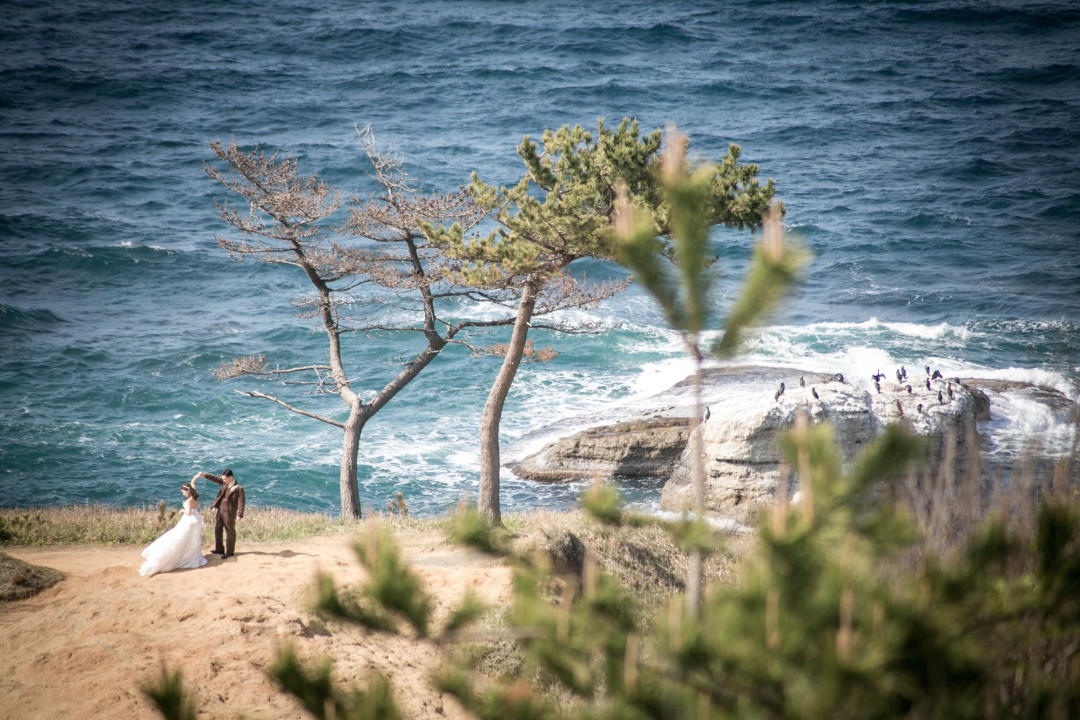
<point x="226" y="556"/>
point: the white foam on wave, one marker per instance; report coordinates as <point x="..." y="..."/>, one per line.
<point x="1020" y="424"/>
<point x="464" y="458"/>
<point x="656" y="377"/>
<point x="861" y="350"/>
<point x="579" y="317"/>
<point x="129" y="244"/>
<point x="874" y="326"/>
<point x="1034" y="376"/>
<point x="927" y="332"/>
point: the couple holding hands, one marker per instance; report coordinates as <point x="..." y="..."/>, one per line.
<point x="181" y="547"/>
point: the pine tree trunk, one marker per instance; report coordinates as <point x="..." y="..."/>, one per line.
<point x="350" y="450"/>
<point x="487" y="496"/>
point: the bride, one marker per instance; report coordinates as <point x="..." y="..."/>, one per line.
<point x="180" y="547"/>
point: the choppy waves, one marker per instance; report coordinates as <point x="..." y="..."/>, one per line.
<point x="925" y="153"/>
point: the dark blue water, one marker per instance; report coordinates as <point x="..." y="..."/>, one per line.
<point x="926" y="151"/>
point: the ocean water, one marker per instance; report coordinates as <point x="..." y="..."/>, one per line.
<point x="927" y="152"/>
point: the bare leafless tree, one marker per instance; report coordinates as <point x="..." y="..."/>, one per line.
<point x="284" y="218"/>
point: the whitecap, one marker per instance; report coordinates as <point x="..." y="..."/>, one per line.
<point x="1020" y="424"/>
<point x="928" y="332"/>
<point x="1034" y="376"/>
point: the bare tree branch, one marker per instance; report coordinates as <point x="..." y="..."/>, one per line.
<point x="298" y="411"/>
<point x="257" y="365"/>
<point x="284" y="218"/>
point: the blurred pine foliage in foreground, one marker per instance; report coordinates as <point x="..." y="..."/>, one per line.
<point x="839" y="610"/>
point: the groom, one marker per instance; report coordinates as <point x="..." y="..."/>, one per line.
<point x="229" y="504"/>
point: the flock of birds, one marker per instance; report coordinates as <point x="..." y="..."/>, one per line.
<point x="901" y="379"/>
<point x="839" y="377"/>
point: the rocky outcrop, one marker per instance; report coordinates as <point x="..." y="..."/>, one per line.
<point x="740" y="439"/>
<point x="1048" y="397"/>
<point x="641" y="441"/>
<point x="741" y="450"/>
<point x="745" y="415"/>
<point x="982" y="402"/>
<point x="644" y="447"/>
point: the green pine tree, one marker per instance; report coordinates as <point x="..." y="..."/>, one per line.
<point x="686" y="210"/>
<point x="561" y="211"/>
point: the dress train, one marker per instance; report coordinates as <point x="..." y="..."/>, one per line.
<point x="180" y="547"/>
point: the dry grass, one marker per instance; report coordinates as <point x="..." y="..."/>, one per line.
<point x="20" y="580"/>
<point x="952" y="494"/>
<point x="645" y="560"/>
<point x="101" y="524"/>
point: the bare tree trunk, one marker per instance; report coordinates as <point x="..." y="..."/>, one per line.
<point x="350" y="450"/>
<point x="350" y="444"/>
<point x="283" y="228"/>
<point x="487" y="499"/>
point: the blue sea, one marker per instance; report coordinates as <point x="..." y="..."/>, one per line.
<point x="928" y="153"/>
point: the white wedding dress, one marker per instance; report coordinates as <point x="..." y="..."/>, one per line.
<point x="180" y="547"/>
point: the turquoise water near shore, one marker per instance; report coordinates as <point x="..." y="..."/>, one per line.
<point x="926" y="151"/>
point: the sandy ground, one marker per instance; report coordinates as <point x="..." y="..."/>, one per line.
<point x="83" y="648"/>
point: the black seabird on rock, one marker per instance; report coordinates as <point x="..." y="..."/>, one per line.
<point x="928" y="370"/>
<point x="939" y="398"/>
<point x="949" y="388"/>
<point x="928" y="384"/>
<point x="937" y="375"/>
<point x="920" y="407"/>
<point x="802" y="383"/>
<point x="779" y="392"/>
<point x="813" y="391"/>
<point x="908" y="389"/>
<point x="899" y="377"/>
<point x="903" y="372"/>
<point x="707" y="414"/>
<point x="900" y="408"/>
<point x="839" y="377"/>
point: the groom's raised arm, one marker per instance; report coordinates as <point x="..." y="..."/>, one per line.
<point x="212" y="478"/>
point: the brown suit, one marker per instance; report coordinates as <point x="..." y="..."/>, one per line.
<point x="229" y="504"/>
